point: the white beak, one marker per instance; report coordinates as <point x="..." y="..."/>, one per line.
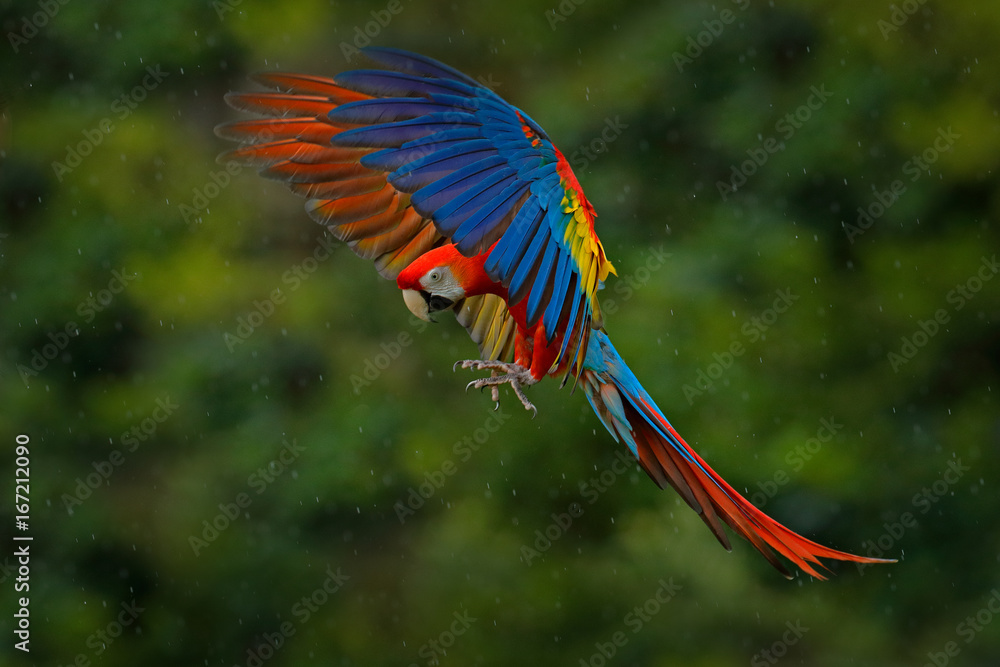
<point x="415" y="302"/>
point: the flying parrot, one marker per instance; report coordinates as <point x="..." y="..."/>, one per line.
<point x="465" y="202"/>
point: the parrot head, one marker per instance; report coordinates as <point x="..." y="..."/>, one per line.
<point x="433" y="282"/>
<point x="434" y="291"/>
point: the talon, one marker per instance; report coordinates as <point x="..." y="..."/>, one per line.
<point x="515" y="375"/>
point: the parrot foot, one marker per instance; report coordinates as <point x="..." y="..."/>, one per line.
<point x="515" y="375"/>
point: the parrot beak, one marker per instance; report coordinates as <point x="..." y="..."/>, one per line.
<point x="417" y="305"/>
<point x="424" y="304"/>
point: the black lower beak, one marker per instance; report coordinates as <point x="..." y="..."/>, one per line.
<point x="436" y="303"/>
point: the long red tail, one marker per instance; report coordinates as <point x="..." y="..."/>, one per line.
<point x="630" y="415"/>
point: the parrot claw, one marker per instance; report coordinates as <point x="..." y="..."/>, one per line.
<point x="476" y="384"/>
<point x="514" y="375"/>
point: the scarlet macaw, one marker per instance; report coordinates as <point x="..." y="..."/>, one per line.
<point x="464" y="200"/>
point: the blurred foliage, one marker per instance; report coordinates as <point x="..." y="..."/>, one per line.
<point x="146" y="370"/>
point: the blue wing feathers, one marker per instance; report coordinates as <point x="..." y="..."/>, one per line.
<point x="394" y="159"/>
<point x="482" y="221"/>
<point x="543" y="282"/>
<point x="560" y="286"/>
<point x="386" y="135"/>
<point x="439" y="193"/>
<point x="481" y="196"/>
<point x="519" y="283"/>
<point x="512" y="245"/>
<point x="405" y="61"/>
<point x="386" y="110"/>
<point x="468" y="202"/>
<point x="481" y="169"/>
<point x="452" y="214"/>
<point x="466" y="148"/>
<point x="382" y="83"/>
<point x="410" y="178"/>
<point x="575" y="297"/>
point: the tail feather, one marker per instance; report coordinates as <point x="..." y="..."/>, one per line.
<point x="630" y="415"/>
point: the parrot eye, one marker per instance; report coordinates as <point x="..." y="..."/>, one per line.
<point x="434" y="276"/>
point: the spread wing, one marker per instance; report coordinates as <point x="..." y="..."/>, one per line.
<point x="292" y="143"/>
<point x="399" y="160"/>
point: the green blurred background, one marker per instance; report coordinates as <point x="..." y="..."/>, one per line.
<point x="147" y="425"/>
